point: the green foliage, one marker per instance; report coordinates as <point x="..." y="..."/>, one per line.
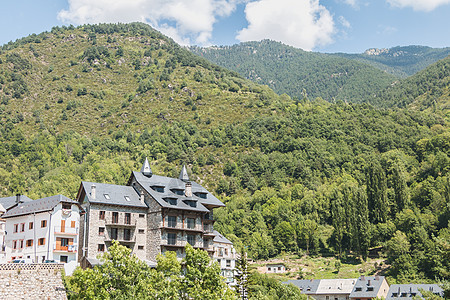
<point x="298" y="73"/>
<point x="123" y="276"/>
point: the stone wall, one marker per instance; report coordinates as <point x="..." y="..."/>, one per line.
<point x="31" y="281"/>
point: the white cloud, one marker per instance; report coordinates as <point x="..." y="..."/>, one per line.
<point x="418" y="5"/>
<point x="344" y="22"/>
<point x="352" y="3"/>
<point x="301" y="23"/>
<point x="186" y="21"/>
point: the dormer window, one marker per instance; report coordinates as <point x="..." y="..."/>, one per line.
<point x="191" y="203"/>
<point x="159" y="189"/>
<point x="107" y="197"/>
<point x="201" y="195"/>
<point x="178" y="191"/>
<point x="370" y="288"/>
<point x="127" y="198"/>
<point x="358" y="289"/>
<point x="171" y="201"/>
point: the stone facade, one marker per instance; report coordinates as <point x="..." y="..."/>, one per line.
<point x="31" y="281"/>
<point x="99" y="229"/>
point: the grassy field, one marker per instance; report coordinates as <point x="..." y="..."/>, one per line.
<point x="307" y="267"/>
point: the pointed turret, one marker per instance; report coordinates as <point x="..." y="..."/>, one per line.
<point x="184" y="175"/>
<point x="146" y="170"/>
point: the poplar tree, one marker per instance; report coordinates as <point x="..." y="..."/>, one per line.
<point x="377" y="193"/>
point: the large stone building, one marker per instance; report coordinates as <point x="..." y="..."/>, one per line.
<point x="150" y="215"/>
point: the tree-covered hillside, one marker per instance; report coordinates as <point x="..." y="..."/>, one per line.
<point x="400" y="61"/>
<point x="308" y="176"/>
<point x="428" y="89"/>
<point x="299" y="73"/>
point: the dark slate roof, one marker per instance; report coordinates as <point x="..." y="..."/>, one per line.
<point x="410" y="290"/>
<point x="8" y="202"/>
<point x="115" y="192"/>
<point x="171" y="184"/>
<point x="219" y="238"/>
<point x="36" y="206"/>
<point x="307" y="286"/>
<point x="364" y="283"/>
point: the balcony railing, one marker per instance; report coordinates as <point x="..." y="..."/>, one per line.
<point x="65" y="230"/>
<point x="120" y="223"/>
<point x="68" y="248"/>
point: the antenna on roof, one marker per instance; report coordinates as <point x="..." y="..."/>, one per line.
<point x="184" y="175"/>
<point x="146" y="170"/>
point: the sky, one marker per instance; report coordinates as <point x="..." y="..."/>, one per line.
<point x="349" y="26"/>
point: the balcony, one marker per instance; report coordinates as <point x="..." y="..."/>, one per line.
<point x="120" y="223"/>
<point x="68" y="248"/>
<point x="121" y="238"/>
<point x="65" y="230"/>
<point x="208" y="217"/>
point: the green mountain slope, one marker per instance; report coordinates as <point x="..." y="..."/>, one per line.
<point x="400" y="61"/>
<point x="299" y="73"/>
<point x="95" y="78"/>
<point x="90" y="103"/>
<point x="428" y="89"/>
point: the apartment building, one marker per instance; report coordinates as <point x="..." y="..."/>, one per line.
<point x="113" y="212"/>
<point x="43" y="229"/>
<point x="152" y="214"/>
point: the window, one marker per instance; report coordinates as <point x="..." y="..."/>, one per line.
<point x="41" y="241"/>
<point x="201" y="195"/>
<point x="101" y="231"/>
<point x="190" y="223"/>
<point x="67" y="206"/>
<point x="16" y="228"/>
<point x="30" y="226"/>
<point x="370" y="288"/>
<point x="22" y="227"/>
<point x="63" y="258"/>
<point x="127" y="218"/>
<point x="358" y="289"/>
<point x="115" y="217"/>
<point x="101" y="215"/>
<point x="64" y="242"/>
<point x="29" y="243"/>
<point x="114" y="234"/>
<point x="141" y="231"/>
<point x="127" y="198"/>
<point x="191" y="203"/>
<point x="107" y="197"/>
<point x="268" y="268"/>
<point x="101" y="248"/>
<point x="228" y="263"/>
<point x="226" y="251"/>
<point x="14" y="245"/>
<point x="191" y="239"/>
<point x="72" y="224"/>
<point x="171" y="238"/>
<point x="178" y="192"/>
<point x="140" y="247"/>
<point x="159" y="189"/>
<point x="21" y="244"/>
<point x="172" y="221"/>
<point x="127" y="234"/>
<point x="171" y="201"/>
<point x="141" y="216"/>
<point x="327" y="298"/>
<point x="43" y="223"/>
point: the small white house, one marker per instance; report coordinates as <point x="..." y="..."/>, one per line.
<point x="43" y="229"/>
<point x="275" y="268"/>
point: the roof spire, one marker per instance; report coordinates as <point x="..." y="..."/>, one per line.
<point x="146" y="170"/>
<point x="184" y="175"/>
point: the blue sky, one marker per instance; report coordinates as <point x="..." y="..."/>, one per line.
<point x="350" y="26"/>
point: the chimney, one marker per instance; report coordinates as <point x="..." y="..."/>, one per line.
<point x="377" y="277"/>
<point x="363" y="278"/>
<point x="188" y="189"/>
<point x="368" y="282"/>
<point x="93" y="191"/>
<point x="17" y="198"/>
<point x="142" y="197"/>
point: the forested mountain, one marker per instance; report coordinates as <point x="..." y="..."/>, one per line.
<point x="299" y="73"/>
<point x="400" y="61"/>
<point x="308" y="176"/>
<point x="428" y="89"/>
